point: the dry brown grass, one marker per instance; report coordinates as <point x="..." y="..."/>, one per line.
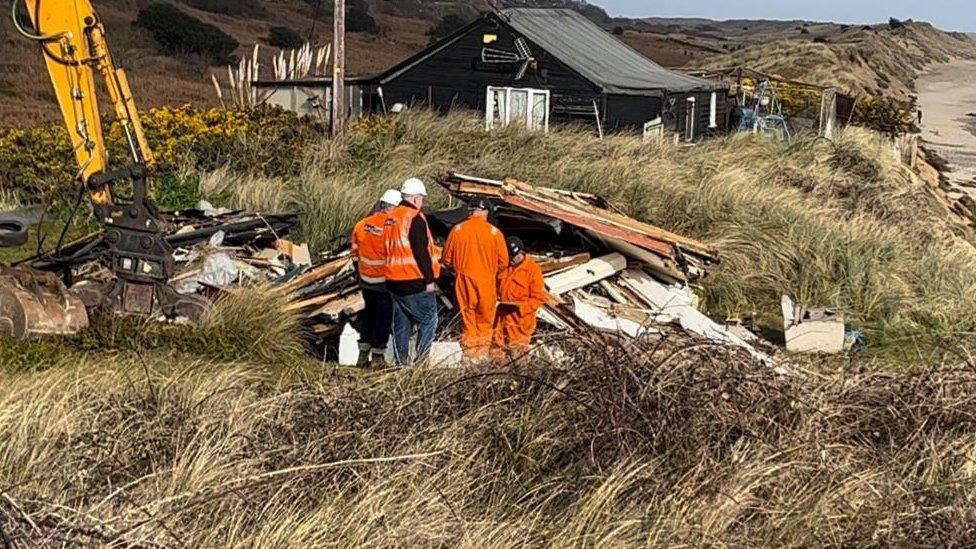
<point x="674" y="442"/>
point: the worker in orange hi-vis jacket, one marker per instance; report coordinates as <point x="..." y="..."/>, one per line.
<point x="368" y="250"/>
<point x="476" y="252"/>
<point x="522" y="292"/>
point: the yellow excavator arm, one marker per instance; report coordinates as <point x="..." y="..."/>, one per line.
<point x="72" y="40"/>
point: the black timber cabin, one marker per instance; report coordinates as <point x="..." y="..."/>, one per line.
<point x="589" y="74"/>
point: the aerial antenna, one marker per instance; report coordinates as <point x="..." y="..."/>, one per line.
<point x="522" y="54"/>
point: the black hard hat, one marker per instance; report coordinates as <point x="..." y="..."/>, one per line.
<point x="479" y="203"/>
<point x="515" y="245"/>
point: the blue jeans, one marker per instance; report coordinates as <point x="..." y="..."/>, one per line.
<point x="409" y="311"/>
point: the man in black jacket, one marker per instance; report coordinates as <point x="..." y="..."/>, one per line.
<point x="412" y="269"/>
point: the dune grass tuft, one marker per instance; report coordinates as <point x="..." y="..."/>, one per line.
<point x="247" y="325"/>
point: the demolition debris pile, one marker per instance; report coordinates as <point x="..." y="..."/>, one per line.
<point x="604" y="271"/>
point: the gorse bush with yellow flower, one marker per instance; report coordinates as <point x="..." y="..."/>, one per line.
<point x="38" y="164"/>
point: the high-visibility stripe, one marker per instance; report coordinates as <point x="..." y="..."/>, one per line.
<point x="372" y="279"/>
<point x="405" y="261"/>
<point x="373" y="262"/>
<point x="400" y="262"/>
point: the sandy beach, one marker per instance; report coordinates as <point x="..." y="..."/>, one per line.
<point x="947" y="96"/>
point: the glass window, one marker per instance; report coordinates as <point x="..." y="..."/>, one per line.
<point x="519" y="108"/>
<point x="498" y="112"/>
<point x="540" y="109"/>
<point x="523" y="106"/>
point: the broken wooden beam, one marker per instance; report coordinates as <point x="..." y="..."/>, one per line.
<point x="314" y="275"/>
<point x="592" y="272"/>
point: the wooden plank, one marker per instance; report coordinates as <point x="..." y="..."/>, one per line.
<point x="662" y="267"/>
<point x="547" y="315"/>
<point x="312" y="302"/>
<point x="348" y="305"/>
<point x="606" y="320"/>
<point x="324" y="330"/>
<point x="338" y="117"/>
<point x="554" y="265"/>
<point x="592" y="272"/>
<point x="614" y="292"/>
<point x="593" y="223"/>
<point x="318" y="273"/>
<point x="618" y="220"/>
<point x="575" y="203"/>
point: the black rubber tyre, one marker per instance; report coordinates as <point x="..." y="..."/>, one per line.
<point x="13" y="232"/>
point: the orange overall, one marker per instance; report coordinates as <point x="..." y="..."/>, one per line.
<point x="476" y="251"/>
<point x="524" y="286"/>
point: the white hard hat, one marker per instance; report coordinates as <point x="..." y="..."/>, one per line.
<point x="413" y="187"/>
<point x="392" y="196"/>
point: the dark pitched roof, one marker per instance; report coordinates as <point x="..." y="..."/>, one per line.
<point x="596" y="54"/>
<point x="396" y="70"/>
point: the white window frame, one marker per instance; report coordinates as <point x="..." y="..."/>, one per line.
<point x="713" y="111"/>
<point x="533" y="93"/>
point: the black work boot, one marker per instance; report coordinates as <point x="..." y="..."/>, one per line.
<point x="377" y="360"/>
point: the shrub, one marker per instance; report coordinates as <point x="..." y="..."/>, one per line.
<point x="180" y="34"/>
<point x="882" y="114"/>
<point x="359" y="20"/>
<point x="618" y="30"/>
<point x="37" y="163"/>
<point x="895" y="23"/>
<point x="229" y="7"/>
<point x="446" y="26"/>
<point x="594" y="13"/>
<point x="285" y="37"/>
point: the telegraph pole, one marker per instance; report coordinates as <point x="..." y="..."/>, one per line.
<point x="339" y="68"/>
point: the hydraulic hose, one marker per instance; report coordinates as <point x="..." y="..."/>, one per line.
<point x="27" y="33"/>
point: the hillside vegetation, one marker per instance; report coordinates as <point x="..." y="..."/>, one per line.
<point x="159" y="79"/>
<point x="878" y="60"/>
<point x="168" y="74"/>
